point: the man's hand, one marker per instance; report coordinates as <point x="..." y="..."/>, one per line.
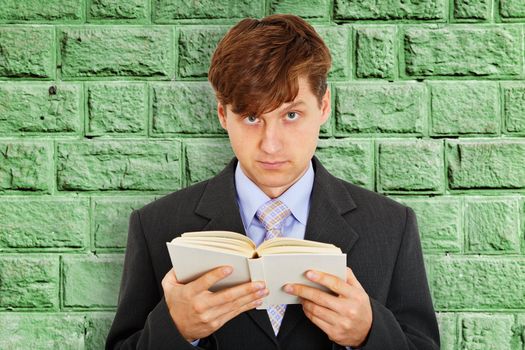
<point x="198" y="312"/>
<point x="345" y="318"/>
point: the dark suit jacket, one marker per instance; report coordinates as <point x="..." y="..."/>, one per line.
<point x="379" y="236"/>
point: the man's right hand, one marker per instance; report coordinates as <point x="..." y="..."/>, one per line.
<point x="197" y="312"/>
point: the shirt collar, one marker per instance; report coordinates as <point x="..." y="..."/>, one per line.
<point x="296" y="198"/>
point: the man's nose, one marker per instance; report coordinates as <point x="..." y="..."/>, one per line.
<point x="271" y="141"/>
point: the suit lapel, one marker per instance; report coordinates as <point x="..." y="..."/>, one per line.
<point x="329" y="201"/>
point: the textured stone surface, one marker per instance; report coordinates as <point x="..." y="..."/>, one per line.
<point x="350" y="160"/>
<point x="41" y="331"/>
<point x="29" y="282"/>
<point x="34" y="222"/>
<point x="111" y="219"/>
<point x="206" y="158"/>
<point x="472" y="9"/>
<point x="486" y="164"/>
<point x="487" y="331"/>
<point x="81" y="273"/>
<point x="477" y="283"/>
<point x="97" y="328"/>
<point x="512" y="8"/>
<point x="338" y="42"/>
<point x="447" y="330"/>
<point x="514" y="107"/>
<point x="119" y="10"/>
<point x="394" y="9"/>
<point x="410" y="166"/>
<point x="32" y="108"/>
<point x="19" y="60"/>
<point x="195" y="47"/>
<point x="25" y="165"/>
<point x="380" y="108"/>
<point x="491" y="225"/>
<point x="116" y="108"/>
<point x="116" y="51"/>
<point x="459" y="108"/>
<point x="37" y="10"/>
<point x="318" y="9"/>
<point x="439" y="222"/>
<point x="167" y="11"/>
<point x="462" y="50"/>
<point x="185" y="108"/>
<point x="118" y="165"/>
<point x="375" y="52"/>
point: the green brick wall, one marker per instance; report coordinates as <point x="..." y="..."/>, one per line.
<point x="104" y="106"/>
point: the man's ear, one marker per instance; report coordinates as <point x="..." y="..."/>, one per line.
<point x="326" y="106"/>
<point x="221" y="112"/>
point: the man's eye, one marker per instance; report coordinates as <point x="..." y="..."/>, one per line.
<point x="251" y="119"/>
<point x="292" y="115"/>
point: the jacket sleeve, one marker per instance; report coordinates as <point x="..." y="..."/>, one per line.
<point x="408" y="320"/>
<point x="142" y="320"/>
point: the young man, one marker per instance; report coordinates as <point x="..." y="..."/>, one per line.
<point x="269" y="76"/>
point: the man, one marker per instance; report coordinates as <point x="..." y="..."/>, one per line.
<point x="269" y="76"/>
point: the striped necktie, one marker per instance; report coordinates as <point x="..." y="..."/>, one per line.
<point x="272" y="215"/>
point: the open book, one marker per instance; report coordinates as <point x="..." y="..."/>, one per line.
<point x="276" y="261"/>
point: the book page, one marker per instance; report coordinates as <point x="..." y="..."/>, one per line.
<point x="283" y="245"/>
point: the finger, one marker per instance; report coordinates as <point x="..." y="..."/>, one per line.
<point x="313" y="294"/>
<point x="238" y="295"/>
<point x="331" y="282"/>
<point x="207" y="280"/>
<point x="239" y="305"/>
<point x="320" y="312"/>
<point x="235" y="312"/>
<point x="319" y="322"/>
<point x="351" y="279"/>
<point x="170" y="278"/>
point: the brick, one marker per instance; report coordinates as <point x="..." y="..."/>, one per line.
<point x="40" y="222"/>
<point x="338" y="42"/>
<point x="25" y="165"/>
<point x="20" y="60"/>
<point x="117" y="108"/>
<point x="206" y="158"/>
<point x="487" y="331"/>
<point x="439" y="222"/>
<point x="380" y="108"/>
<point x="315" y="9"/>
<point x="514" y="108"/>
<point x="185" y="108"/>
<point x="29" y="282"/>
<point x="477" y="282"/>
<point x="118" y="165"/>
<point x="520" y="326"/>
<point x="118" y="10"/>
<point x="486" y="164"/>
<point x="512" y="9"/>
<point x="111" y="219"/>
<point x="463" y="51"/>
<point x="36" y="10"/>
<point x="36" y="107"/>
<point x="492" y="225"/>
<point x="97" y="329"/>
<point x="375" y="52"/>
<point x="196" y="46"/>
<point x="81" y="273"/>
<point x="350" y="160"/>
<point x="101" y="51"/>
<point x="410" y="166"/>
<point x="384" y="10"/>
<point x="168" y="11"/>
<point x="41" y="331"/>
<point x="447" y="323"/>
<point x="472" y="9"/>
<point x="462" y="108"/>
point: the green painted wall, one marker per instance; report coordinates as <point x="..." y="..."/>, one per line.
<point x="104" y="106"/>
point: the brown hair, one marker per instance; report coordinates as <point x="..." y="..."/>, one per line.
<point x="256" y="65"/>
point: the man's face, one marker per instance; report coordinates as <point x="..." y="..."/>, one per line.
<point x="274" y="149"/>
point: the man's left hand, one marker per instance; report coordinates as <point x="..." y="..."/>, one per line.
<point x="345" y="317"/>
